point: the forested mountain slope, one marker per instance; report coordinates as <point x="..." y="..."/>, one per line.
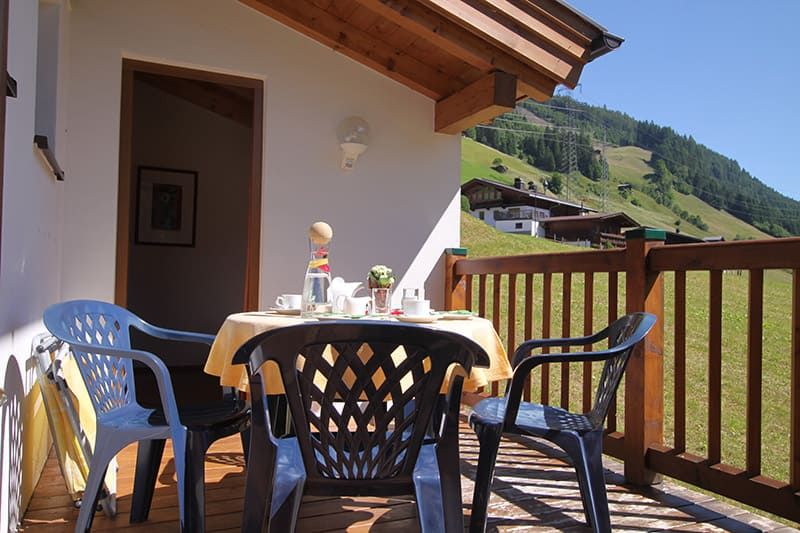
<point x="582" y="137"/>
<point x="627" y="165"/>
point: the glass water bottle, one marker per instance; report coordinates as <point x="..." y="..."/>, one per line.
<point x="318" y="276"/>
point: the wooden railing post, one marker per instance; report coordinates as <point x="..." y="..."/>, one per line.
<point x="455" y="287"/>
<point x="644" y="377"/>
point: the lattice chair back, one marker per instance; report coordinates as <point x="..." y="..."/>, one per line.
<point x="361" y="395"/>
<point x="622" y="335"/>
<point x="109" y="379"/>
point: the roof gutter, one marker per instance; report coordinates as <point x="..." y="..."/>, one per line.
<point x="603" y="44"/>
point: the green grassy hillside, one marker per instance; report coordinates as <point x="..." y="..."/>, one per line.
<point x="626" y="165"/>
<point x="629" y="165"/>
<point x="483" y="240"/>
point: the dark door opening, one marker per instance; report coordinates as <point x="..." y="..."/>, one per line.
<point x="190" y="165"/>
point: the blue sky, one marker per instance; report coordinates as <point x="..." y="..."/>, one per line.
<point x="726" y="72"/>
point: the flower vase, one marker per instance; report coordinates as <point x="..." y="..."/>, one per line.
<point x="381" y="300"/>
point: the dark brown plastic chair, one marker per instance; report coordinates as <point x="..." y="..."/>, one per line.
<point x="361" y="408"/>
<point x="580" y="435"/>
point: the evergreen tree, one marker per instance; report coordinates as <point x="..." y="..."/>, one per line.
<point x="548" y="162"/>
<point x="555" y="184"/>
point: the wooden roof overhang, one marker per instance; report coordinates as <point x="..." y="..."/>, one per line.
<point x="513" y="197"/>
<point x="476" y="58"/>
<point x="621" y="219"/>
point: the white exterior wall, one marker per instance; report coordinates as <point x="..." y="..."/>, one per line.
<point x="529" y="227"/>
<point x="29" y="268"/>
<point x="584" y="244"/>
<point x="538" y="212"/>
<point x="488" y="215"/>
<point x="400" y="206"/>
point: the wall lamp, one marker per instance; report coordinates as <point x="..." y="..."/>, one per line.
<point x="353" y="135"/>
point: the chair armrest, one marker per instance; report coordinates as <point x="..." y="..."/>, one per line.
<point x="524" y="350"/>
<point x="174" y="334"/>
<point x="155" y="364"/>
<point x="524" y="367"/>
<point x="527" y="364"/>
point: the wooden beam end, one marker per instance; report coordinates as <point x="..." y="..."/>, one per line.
<point x="490" y="96"/>
<point x="526" y="90"/>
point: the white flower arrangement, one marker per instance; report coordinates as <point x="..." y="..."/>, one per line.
<point x="380" y="276"/>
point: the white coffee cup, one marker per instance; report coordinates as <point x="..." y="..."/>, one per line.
<point x="288" y="301"/>
<point x="417" y="307"/>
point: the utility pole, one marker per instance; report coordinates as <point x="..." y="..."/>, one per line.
<point x="604" y="164"/>
<point x="572" y="148"/>
<point x="569" y="156"/>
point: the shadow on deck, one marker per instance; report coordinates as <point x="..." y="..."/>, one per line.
<point x="534" y="490"/>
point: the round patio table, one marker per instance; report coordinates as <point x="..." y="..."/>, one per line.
<point x="240" y="327"/>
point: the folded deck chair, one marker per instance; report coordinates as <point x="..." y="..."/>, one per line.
<point x="63" y="392"/>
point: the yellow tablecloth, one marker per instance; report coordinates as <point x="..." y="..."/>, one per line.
<point x="240" y="327"/>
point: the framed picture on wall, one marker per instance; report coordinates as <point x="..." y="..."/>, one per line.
<point x="166" y="201"/>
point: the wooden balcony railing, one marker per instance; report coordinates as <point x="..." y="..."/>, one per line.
<point x="688" y="381"/>
<point x="611" y="240"/>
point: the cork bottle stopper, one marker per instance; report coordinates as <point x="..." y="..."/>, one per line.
<point x="320" y="233"/>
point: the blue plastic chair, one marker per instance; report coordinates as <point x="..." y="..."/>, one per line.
<point x="98" y="334"/>
<point x="362" y="411"/>
<point x="580" y="435"/>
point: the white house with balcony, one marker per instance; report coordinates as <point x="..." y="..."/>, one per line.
<point x="516" y="209"/>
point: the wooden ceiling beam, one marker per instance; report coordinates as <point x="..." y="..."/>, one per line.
<point x="575" y="48"/>
<point x="461" y="43"/>
<point x="479" y="102"/>
<point x="564" y="17"/>
<point x="213" y="98"/>
<point x="526" y="25"/>
<point x="305" y="17"/>
<point x="486" y="27"/>
<point x="428" y="25"/>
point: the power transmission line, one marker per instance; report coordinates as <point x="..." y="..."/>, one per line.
<point x="640" y="131"/>
<point x="753" y="209"/>
<point x="533" y="102"/>
<point x="785" y="216"/>
<point x="521" y="117"/>
<point x="522" y="120"/>
<point x="531" y="132"/>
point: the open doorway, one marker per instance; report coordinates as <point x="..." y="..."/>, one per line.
<point x="189" y="209"/>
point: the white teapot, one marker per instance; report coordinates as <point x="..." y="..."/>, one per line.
<point x="341" y="289"/>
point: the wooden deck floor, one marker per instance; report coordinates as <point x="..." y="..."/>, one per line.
<point x="535" y="490"/>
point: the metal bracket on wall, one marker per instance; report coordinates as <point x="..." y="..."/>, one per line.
<point x="11" y="86"/>
<point x="41" y="143"/>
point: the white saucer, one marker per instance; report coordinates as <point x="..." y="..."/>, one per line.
<point x="285" y="310"/>
<point x="455" y="316"/>
<point x="338" y="317"/>
<point x="418" y="319"/>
